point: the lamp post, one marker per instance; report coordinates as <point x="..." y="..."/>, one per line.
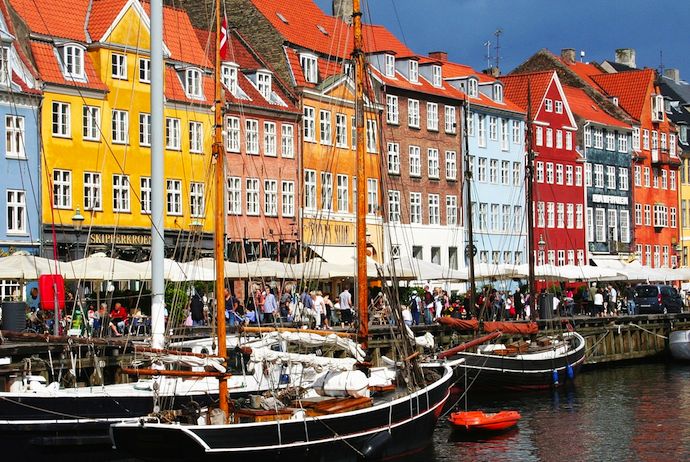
<point x="77" y="223"/>
<point x="542" y="245"/>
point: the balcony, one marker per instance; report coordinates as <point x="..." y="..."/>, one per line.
<point x="664" y="158"/>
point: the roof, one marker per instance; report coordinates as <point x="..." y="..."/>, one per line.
<point x="585" y="107"/>
<point x="584" y="70"/>
<point x="445" y="91"/>
<point x="518" y="86"/>
<point x="327" y="68"/>
<point x="102" y="15"/>
<point x="50" y="71"/>
<point x="25" y="61"/>
<point x="174" y="91"/>
<point x="64" y="19"/>
<point x="678" y="91"/>
<point x="454" y="70"/>
<point x="631" y="88"/>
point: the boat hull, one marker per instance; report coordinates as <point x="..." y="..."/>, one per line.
<point x="679" y="344"/>
<point x="386" y="430"/>
<point x="491" y="372"/>
<point x="477" y="421"/>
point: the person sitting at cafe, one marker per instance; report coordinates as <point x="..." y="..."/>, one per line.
<point x="118" y="317"/>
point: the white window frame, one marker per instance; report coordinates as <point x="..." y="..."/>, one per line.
<point x="325" y="127"/>
<point x="251" y="136"/>
<point x="372" y="196"/>
<point x="415" y="208"/>
<point x="270" y="140"/>
<point x="413" y="113"/>
<point x="392" y="111"/>
<point x="172" y="134"/>
<point x="415" y="156"/>
<point x="197" y="196"/>
<point x="73" y="62"/>
<point x="234" y="195"/>
<point x="193" y="83"/>
<point x="61" y="123"/>
<point x="263" y="84"/>
<point x="393" y="158"/>
<point x="93" y="190"/>
<point x="308" y="124"/>
<point x="451" y="165"/>
<point x="271" y="198"/>
<point x="326" y="191"/>
<point x="121" y="196"/>
<point x="253" y="190"/>
<point x="144" y="129"/>
<point x="432" y="116"/>
<point x="118" y="66"/>
<point x="433" y="163"/>
<point x="310" y="67"/>
<point x="342" y="193"/>
<point x="91" y="121"/>
<point x="434" y="209"/>
<point x="144" y="70"/>
<point x="449" y="118"/>
<point x="394" y="214"/>
<point x="288" y="198"/>
<point x="62" y="189"/>
<point x="173" y="190"/>
<point x="145" y="194"/>
<point x="16" y="212"/>
<point x="196" y="137"/>
<point x="233" y="134"/>
<point x="287" y="141"/>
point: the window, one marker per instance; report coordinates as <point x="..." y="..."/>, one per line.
<point x="119" y="66"/>
<point x="660" y="216"/>
<point x="483" y="216"/>
<point x="172" y="133"/>
<point x="309" y="67"/>
<point x="664" y="179"/>
<point x="73" y="62"/>
<point x="504" y="134"/>
<point x="472" y="88"/>
<point x="433" y="163"/>
<point x="16" y="211"/>
<point x="495" y="217"/>
<point x="623" y="182"/>
<point x="251" y="136"/>
<point x="569" y="141"/>
<point x="413" y="113"/>
<point x="598" y="176"/>
<point x="672" y="142"/>
<point x="415" y="207"/>
<point x="612" y="225"/>
<point x="144" y="70"/>
<point x="436" y="77"/>
<point x="432" y="116"/>
<point x="394" y="206"/>
<point x="517" y="218"/>
<point x="120" y="193"/>
<point x="120" y="127"/>
<point x="62" y="189"/>
<point x="234" y="195"/>
<point x="228" y="77"/>
<point x="549" y="173"/>
<point x="353" y="133"/>
<point x="493" y="128"/>
<point x="549" y="138"/>
<point x="232" y="134"/>
<point x="196" y="137"/>
<point x="92" y="191"/>
<point x="391" y="109"/>
<point x="570" y="216"/>
<point x="647" y="215"/>
<point x="271" y="198"/>
<point x="657" y="256"/>
<point x="493" y="171"/>
<point x="326" y="191"/>
<point x="568" y="175"/>
<point x="625" y="226"/>
<point x="560" y="215"/>
<point x="622" y="142"/>
<point x="417" y="252"/>
<point x="588" y="174"/>
<point x="548" y="105"/>
<point x="588" y="136"/>
<point x="579" y="221"/>
<point x="610" y="141"/>
<point x="325" y="127"/>
<point x="481" y="131"/>
<point x="173" y="192"/>
<point x="450" y="123"/>
<point x="470" y="124"/>
<point x="673" y="217"/>
<point x="559" y="107"/>
<point x="394" y="158"/>
<point x="4" y="68"/>
<point x="645" y="139"/>
<point x="61" y="119"/>
<point x="540" y="172"/>
<point x="193" y="83"/>
<point x="434" y="210"/>
<point x="263" y="84"/>
<point x="144" y="129"/>
<point x="506" y="218"/>
<point x="415" y="161"/>
<point x="413" y="71"/>
<point x="372" y="145"/>
<point x="590" y="224"/>
<point x="196" y="199"/>
<point x="342" y="193"/>
<point x="453" y="257"/>
<point x="610" y="177"/>
<point x="599" y="224"/>
<point x="505" y="172"/>
<point x="252" y="196"/>
<point x="308" y="121"/>
<point x="390" y="65"/>
<point x="559" y="173"/>
<point x="451" y="165"/>
<point x="578" y="176"/>
<point x="551" y="257"/>
<point x="91" y="121"/>
<point x="481" y="169"/>
<point x="288" y="198"/>
<point x="638" y="175"/>
<point x="559" y="139"/>
<point x="561" y="253"/>
<point x="517" y="173"/>
<point x="372" y="196"/>
<point x="648" y="254"/>
<point x="638" y="214"/>
<point x="14" y="137"/>
<point x="550" y="215"/>
<point x="451" y="210"/>
<point x="541" y="221"/>
<point x="598" y="138"/>
<point x="145" y="194"/>
<point x="270" y="142"/>
<point x="646" y="177"/>
<point x="517" y="138"/>
<point x="539" y="136"/>
<point x="287" y="141"/>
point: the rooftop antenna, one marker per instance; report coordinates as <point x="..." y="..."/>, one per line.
<point x="487" y="44"/>
<point x="661" y="62"/>
<point x="582" y="55"/>
<point x="498" y="47"/>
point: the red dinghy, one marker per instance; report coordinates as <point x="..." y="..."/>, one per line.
<point x="481" y="421"/>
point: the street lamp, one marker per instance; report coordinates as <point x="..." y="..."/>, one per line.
<point x="541" y="243"/>
<point x="77" y="223"/>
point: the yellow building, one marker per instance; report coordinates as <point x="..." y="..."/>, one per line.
<point x="684" y="203"/>
<point x="93" y="58"/>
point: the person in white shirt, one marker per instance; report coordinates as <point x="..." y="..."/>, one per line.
<point x="319" y="308"/>
<point x="345" y="306"/>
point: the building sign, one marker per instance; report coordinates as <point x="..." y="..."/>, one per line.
<point x="606" y="199"/>
<point x="120" y="239"/>
<point x="329" y="233"/>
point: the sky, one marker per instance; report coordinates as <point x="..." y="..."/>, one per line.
<point x="599" y="27"/>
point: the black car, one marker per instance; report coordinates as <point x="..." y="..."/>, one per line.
<point x="657" y="298"/>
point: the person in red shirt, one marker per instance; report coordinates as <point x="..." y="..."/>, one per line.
<point x="118" y="316"/>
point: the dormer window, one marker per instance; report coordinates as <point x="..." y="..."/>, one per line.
<point x="390" y="65"/>
<point x="229" y="77"/>
<point x="472" y="88"/>
<point x="193" y="83"/>
<point x="263" y="83"/>
<point x="498" y="92"/>
<point x="657" y="108"/>
<point x="73" y="62"/>
<point x="436" y="75"/>
<point x="309" y="67"/>
<point x="4" y="66"/>
<point x="413" y="71"/>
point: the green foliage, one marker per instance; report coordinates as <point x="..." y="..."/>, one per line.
<point x="176" y="300"/>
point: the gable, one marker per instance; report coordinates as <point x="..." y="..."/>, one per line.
<point x="129" y="30"/>
<point x="554" y="92"/>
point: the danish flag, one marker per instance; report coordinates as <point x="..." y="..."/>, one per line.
<point x="224" y="40"/>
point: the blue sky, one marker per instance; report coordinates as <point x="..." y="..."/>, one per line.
<point x="598" y="27"/>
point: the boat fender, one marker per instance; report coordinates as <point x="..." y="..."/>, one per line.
<point x="374" y="447"/>
<point x="570" y="371"/>
<point x="555" y="377"/>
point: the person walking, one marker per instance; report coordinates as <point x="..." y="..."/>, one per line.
<point x="196" y="308"/>
<point x="270" y="306"/>
<point x="598" y="310"/>
<point x="345" y="306"/>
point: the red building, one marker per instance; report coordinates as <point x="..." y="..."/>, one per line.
<point x="558" y="193"/>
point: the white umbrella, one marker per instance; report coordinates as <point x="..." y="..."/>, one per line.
<point x="588" y="273"/>
<point x="172" y="270"/>
<point x="267" y="268"/>
<point x="204" y="269"/>
<point x="424" y="270"/>
<point x="24" y="266"/>
<point x="99" y="266"/>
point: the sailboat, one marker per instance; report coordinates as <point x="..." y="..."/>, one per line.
<point x="343" y="423"/>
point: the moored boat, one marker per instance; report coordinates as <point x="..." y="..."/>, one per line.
<point x="679" y="344"/>
<point x="484" y="421"/>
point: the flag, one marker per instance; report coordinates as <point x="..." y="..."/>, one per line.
<point x="224" y="40"/>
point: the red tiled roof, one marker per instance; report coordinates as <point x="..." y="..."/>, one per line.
<point x="50" y="71"/>
<point x="63" y="19"/>
<point x="517" y="85"/>
<point x="20" y="52"/>
<point x="455" y="70"/>
<point x="447" y="91"/>
<point x="103" y="13"/>
<point x="326" y="68"/>
<point x="584" y="106"/>
<point x="174" y="91"/>
<point x="585" y="71"/>
<point x="632" y="88"/>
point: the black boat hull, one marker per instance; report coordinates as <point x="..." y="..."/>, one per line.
<point x="383" y="431"/>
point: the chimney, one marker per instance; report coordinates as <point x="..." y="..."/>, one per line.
<point x="673" y="74"/>
<point x="343" y="9"/>
<point x="568" y="55"/>
<point x="626" y="56"/>
<point x="440" y="55"/>
<point x="493" y="71"/>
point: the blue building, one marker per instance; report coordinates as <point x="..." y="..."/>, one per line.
<point x="496" y="146"/>
<point x="20" y="195"/>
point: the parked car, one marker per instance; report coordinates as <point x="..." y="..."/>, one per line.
<point x="657" y="298"/>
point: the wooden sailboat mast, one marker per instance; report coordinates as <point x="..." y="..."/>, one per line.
<point x="361" y="233"/>
<point x="219" y="241"/>
<point x="529" y="175"/>
<point x="470" y="249"/>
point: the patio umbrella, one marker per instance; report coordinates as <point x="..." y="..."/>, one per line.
<point x="25" y="266"/>
<point x="99" y="266"/>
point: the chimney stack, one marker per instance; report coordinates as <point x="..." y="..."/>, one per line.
<point x="626" y="56"/>
<point x="343" y="9"/>
<point x="440" y="55"/>
<point x="493" y="71"/>
<point x="673" y="74"/>
<point x="568" y="55"/>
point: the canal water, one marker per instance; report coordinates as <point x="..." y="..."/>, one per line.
<point x="628" y="413"/>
